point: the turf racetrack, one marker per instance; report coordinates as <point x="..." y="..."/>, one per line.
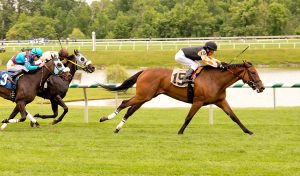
<point x="148" y="144"/>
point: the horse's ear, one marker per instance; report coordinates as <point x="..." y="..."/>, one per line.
<point x="247" y="64"/>
<point x="76" y="51"/>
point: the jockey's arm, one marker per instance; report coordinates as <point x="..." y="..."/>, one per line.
<point x="29" y="66"/>
<point x="210" y="61"/>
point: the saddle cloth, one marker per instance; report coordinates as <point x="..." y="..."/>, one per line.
<point x="5" y="82"/>
<point x="178" y="75"/>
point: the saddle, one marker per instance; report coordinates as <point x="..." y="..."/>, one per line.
<point x="177" y="78"/>
<point x="178" y="75"/>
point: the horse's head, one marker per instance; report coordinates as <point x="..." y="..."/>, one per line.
<point x="251" y="77"/>
<point x="83" y="63"/>
<point x="56" y="67"/>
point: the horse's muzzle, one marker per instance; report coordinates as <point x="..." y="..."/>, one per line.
<point x="261" y="89"/>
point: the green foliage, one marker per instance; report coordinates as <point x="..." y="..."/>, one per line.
<point x="116" y="74"/>
<point x="76" y="33"/>
<point x="32" y="27"/>
<point x="153" y="19"/>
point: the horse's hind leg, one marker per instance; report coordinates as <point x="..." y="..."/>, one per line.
<point x="64" y="106"/>
<point x="195" y="107"/>
<point x="123" y="105"/>
<point x="54" y="106"/>
<point x="226" y="108"/>
<point x="129" y="112"/>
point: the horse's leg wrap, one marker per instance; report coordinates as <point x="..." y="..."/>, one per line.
<point x="30" y="117"/>
<point x="13" y="120"/>
<point x="112" y="115"/>
<point x="4" y="125"/>
<point x="120" y="125"/>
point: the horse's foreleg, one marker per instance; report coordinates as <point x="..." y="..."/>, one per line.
<point x="195" y="107"/>
<point x="129" y="112"/>
<point x="54" y="106"/>
<point x="21" y="108"/>
<point x="64" y="106"/>
<point x="32" y="120"/>
<point x="10" y="118"/>
<point x="226" y="108"/>
<point x="112" y="115"/>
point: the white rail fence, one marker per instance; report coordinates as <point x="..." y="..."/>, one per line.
<point x="237" y="85"/>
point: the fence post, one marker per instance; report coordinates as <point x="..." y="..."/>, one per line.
<point x="94" y="40"/>
<point x="86" y="111"/>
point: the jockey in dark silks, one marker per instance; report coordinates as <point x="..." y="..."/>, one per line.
<point x="190" y="57"/>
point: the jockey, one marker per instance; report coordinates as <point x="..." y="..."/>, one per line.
<point x="190" y="57"/>
<point x="25" y="62"/>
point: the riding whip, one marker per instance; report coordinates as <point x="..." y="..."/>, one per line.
<point x="239" y="54"/>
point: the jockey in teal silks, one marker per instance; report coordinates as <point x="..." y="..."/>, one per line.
<point x="25" y="62"/>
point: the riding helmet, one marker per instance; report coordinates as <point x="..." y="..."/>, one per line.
<point x="36" y="51"/>
<point x="211" y="45"/>
<point x="63" y="53"/>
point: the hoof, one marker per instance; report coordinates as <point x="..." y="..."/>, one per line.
<point x="37" y="125"/>
<point x="31" y="124"/>
<point x="250" y="132"/>
<point x="54" y="122"/>
<point x="102" y="119"/>
<point x="36" y="115"/>
<point x="116" y="131"/>
<point x="5" y="121"/>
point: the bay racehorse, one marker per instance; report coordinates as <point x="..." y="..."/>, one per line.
<point x="209" y="88"/>
<point x="28" y="86"/>
<point x="57" y="88"/>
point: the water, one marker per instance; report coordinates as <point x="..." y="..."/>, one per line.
<point x="236" y="97"/>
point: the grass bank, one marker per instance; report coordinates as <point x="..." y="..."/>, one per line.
<point x="165" y="58"/>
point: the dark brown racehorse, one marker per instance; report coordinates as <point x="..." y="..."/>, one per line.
<point x="28" y="86"/>
<point x="210" y="88"/>
<point x="57" y="88"/>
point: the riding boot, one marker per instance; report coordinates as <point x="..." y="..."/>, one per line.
<point x="188" y="76"/>
<point x="17" y="73"/>
<point x="11" y="79"/>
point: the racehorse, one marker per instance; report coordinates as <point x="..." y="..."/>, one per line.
<point x="209" y="88"/>
<point x="28" y="86"/>
<point x="57" y="88"/>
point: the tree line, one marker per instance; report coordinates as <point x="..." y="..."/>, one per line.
<point x="111" y="19"/>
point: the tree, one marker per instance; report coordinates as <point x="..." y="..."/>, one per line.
<point x="76" y="33"/>
<point x="32" y="27"/>
<point x="277" y="18"/>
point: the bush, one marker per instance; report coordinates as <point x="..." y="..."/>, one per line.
<point x="116" y="74"/>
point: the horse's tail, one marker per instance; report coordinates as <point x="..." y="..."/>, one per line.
<point x="125" y="85"/>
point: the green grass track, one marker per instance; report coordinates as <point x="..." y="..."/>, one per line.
<point x="148" y="144"/>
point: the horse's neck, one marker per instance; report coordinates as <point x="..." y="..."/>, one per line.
<point x="229" y="77"/>
<point x="43" y="75"/>
<point x="73" y="69"/>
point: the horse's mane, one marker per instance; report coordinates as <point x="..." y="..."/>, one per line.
<point x="229" y="65"/>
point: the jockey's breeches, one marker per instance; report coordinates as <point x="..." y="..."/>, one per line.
<point x="182" y="59"/>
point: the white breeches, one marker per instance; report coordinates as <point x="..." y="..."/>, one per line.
<point x="180" y="58"/>
<point x="15" y="67"/>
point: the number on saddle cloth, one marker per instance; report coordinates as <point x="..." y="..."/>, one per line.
<point x="5" y="82"/>
<point x="179" y="74"/>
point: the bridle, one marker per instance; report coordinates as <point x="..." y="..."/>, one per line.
<point x="251" y="82"/>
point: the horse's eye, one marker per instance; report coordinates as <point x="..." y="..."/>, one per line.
<point x="82" y="59"/>
<point x="59" y="65"/>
